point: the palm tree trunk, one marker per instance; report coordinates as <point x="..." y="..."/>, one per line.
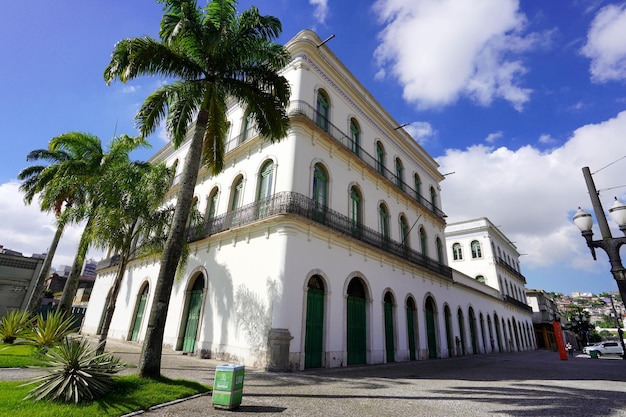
<point x="35" y="297"/>
<point x="71" y="285"/>
<point x="112" y="301"/>
<point x="150" y="359"/>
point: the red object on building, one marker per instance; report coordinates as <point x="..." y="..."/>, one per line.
<point x="560" y="343"/>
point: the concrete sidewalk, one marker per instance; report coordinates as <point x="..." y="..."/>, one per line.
<point x="524" y="384"/>
<point x="535" y="383"/>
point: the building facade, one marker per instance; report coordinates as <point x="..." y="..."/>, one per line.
<point x="324" y="249"/>
<point x="18" y="277"/>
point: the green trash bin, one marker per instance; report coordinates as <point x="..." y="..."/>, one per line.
<point x="228" y="386"/>
<point x="593" y="354"/>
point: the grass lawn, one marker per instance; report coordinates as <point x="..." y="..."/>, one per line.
<point x="17" y="356"/>
<point x="131" y="393"/>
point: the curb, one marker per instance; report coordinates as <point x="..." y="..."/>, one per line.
<point x="158" y="406"/>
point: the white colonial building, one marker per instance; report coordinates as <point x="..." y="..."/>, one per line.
<point x="325" y="249"/>
<point x="480" y="250"/>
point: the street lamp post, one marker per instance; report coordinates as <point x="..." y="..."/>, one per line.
<point x="608" y="243"/>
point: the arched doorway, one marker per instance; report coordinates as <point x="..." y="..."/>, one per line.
<point x="411" y="321"/>
<point x="498" y="335"/>
<point x="389" y="331"/>
<point x="357" y="322"/>
<point x="461" y="340"/>
<point x="472" y="329"/>
<point x="140" y="307"/>
<point x="483" y="333"/>
<point x="314" y="332"/>
<point x="192" y="320"/>
<point x="431" y="328"/>
<point x="448" y="319"/>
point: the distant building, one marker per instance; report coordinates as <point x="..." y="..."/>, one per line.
<point x="480" y="250"/>
<point x="545" y="312"/>
<point x="89" y="269"/>
<point x="18" y="277"/>
<point x="64" y="270"/>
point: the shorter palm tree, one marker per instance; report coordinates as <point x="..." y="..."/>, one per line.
<point x="130" y="221"/>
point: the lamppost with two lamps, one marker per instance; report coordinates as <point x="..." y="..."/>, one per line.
<point x="611" y="245"/>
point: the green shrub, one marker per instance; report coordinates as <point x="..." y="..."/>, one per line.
<point x="77" y="373"/>
<point x="52" y="330"/>
<point x="15" y="324"/>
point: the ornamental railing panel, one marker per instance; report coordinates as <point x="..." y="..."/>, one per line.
<point x="290" y="203"/>
<point x="509" y="268"/>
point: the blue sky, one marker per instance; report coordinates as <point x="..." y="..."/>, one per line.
<point x="513" y="97"/>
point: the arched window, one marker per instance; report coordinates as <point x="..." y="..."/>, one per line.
<point x="418" y="188"/>
<point x="399" y="174"/>
<point x="433" y="197"/>
<point x="246" y="129"/>
<point x="194" y="214"/>
<point x="236" y="193"/>
<point x="356" y="212"/>
<point x="266" y="179"/>
<point x="439" y="250"/>
<point x="423" y="244"/>
<point x="383" y="220"/>
<point x="476" y="251"/>
<point x="457" y="252"/>
<point x="404" y="232"/>
<point x="355" y="137"/>
<point x="380" y="158"/>
<point x="320" y="185"/>
<point x="480" y="278"/>
<point x="211" y="204"/>
<point x="323" y="110"/>
<point x="175" y="177"/>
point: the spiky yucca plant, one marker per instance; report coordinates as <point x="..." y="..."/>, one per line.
<point x="15" y="324"/>
<point x="52" y="330"/>
<point x="77" y="373"/>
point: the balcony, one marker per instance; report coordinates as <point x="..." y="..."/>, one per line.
<point x="305" y="110"/>
<point x="289" y="203"/>
<point x="517" y="303"/>
<point x="500" y="261"/>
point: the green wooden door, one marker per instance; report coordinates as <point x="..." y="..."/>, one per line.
<point x="472" y="329"/>
<point x="314" y="336"/>
<point x="389" y="345"/>
<point x="356" y="330"/>
<point x="134" y="335"/>
<point x="410" y="323"/>
<point x="192" y="322"/>
<point x="431" y="331"/>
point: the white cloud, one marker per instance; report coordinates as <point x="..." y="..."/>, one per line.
<point x="420" y="131"/>
<point x="321" y="10"/>
<point x="606" y="44"/>
<point x="129" y="89"/>
<point x="28" y="230"/>
<point x="440" y="50"/>
<point x="492" y="137"/>
<point x="546" y="139"/>
<point x="532" y="194"/>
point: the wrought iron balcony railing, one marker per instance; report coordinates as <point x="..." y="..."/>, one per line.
<point x="304" y="109"/>
<point x="510" y="300"/>
<point x="500" y="261"/>
<point x="290" y="203"/>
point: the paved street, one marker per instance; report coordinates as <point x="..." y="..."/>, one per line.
<point x="534" y="383"/>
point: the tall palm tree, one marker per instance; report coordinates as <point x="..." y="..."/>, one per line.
<point x="130" y="220"/>
<point x="90" y="172"/>
<point x="57" y="190"/>
<point x="211" y="53"/>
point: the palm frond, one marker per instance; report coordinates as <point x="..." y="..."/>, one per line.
<point x="137" y="57"/>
